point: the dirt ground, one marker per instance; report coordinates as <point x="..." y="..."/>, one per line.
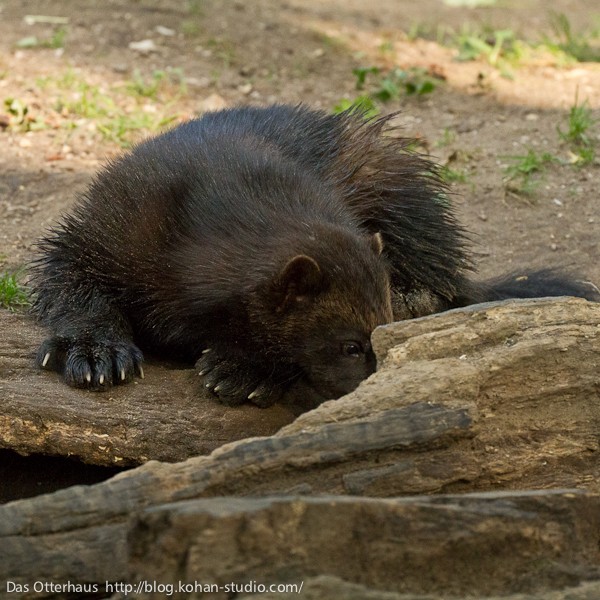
<point x="78" y="92"/>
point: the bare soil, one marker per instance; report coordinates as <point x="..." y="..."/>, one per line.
<point x="57" y="104"/>
<point x="228" y="53"/>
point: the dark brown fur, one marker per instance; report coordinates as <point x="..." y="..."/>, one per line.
<point x="264" y="243"/>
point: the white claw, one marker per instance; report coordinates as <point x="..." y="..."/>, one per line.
<point x="217" y="388"/>
<point x="253" y="394"/>
<point x="206" y="351"/>
<point x="141" y="372"/>
<point x="207" y="385"/>
<point x="101" y="380"/>
<point x="46" y="359"/>
<point x="88" y="377"/>
<point x="203" y="372"/>
<point x="122" y="374"/>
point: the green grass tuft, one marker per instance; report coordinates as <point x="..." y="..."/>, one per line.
<point x="453" y="175"/>
<point x="390" y="85"/>
<point x="12" y="295"/>
<point x="383" y="87"/>
<point x="579" y="122"/>
<point x="520" y="174"/>
<point x="580" y="46"/>
<point x="528" y="164"/>
<point x="362" y="104"/>
<point x="577" y="134"/>
<point x="111" y="110"/>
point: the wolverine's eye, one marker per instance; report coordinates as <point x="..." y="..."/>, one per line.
<point x="352" y="348"/>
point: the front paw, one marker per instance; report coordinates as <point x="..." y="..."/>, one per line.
<point x="235" y="383"/>
<point x="91" y="363"/>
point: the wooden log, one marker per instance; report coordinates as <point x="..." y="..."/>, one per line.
<point x="43" y="537"/>
<point x="486" y="398"/>
<point x="477" y="544"/>
<point x="166" y="416"/>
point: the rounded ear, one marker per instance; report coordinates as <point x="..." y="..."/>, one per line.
<point x="299" y="279"/>
<point x="377" y="243"/>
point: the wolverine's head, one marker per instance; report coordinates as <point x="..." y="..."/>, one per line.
<point x="325" y="303"/>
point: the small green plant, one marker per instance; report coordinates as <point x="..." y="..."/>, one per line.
<point x="69" y="80"/>
<point x="584" y="156"/>
<point x="147" y="88"/>
<point x="579" y="121"/>
<point x="418" y="30"/>
<point x="440" y="33"/>
<point x="57" y="40"/>
<point x="16" y="109"/>
<point x="577" y="134"/>
<point x="159" y="80"/>
<point x="223" y="49"/>
<point x="448" y="137"/>
<point x="410" y="81"/>
<point x="190" y="28"/>
<point x="502" y="49"/>
<point x="386" y="46"/>
<point x="453" y="175"/>
<point x="329" y="41"/>
<point x="12" y="295"/>
<point x="499" y="48"/>
<point x="19" y="116"/>
<point x="520" y="174"/>
<point x="362" y="104"/>
<point x="111" y="110"/>
<point x="578" y="46"/>
<point x="527" y="164"/>
<point x="390" y="85"/>
<point x="195" y="7"/>
<point x="361" y="75"/>
<point x="491" y="45"/>
<point x="87" y="101"/>
<point x="120" y="127"/>
<point x="384" y="87"/>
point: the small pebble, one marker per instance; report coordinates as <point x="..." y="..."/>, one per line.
<point x="143" y="46"/>
<point x="164" y="31"/>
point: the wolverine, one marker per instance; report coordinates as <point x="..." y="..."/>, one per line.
<point x="262" y="244"/>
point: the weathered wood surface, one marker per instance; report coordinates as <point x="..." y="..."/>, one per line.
<point x="486" y="398"/>
<point x="478" y="544"/>
<point x="166" y="416"/>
